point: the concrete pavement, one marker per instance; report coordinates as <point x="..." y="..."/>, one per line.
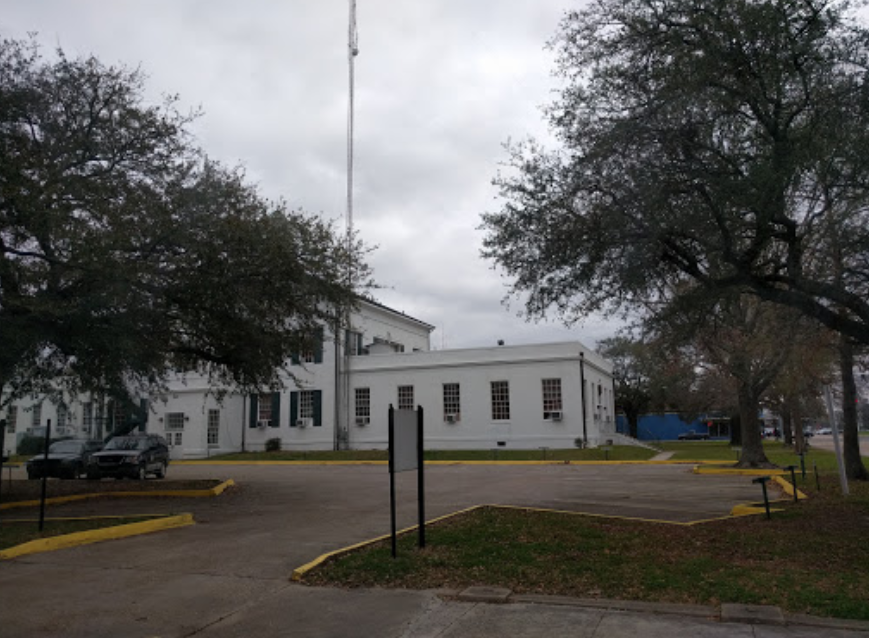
<point x="228" y="575"/>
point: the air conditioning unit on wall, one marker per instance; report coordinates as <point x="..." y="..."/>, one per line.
<point x="556" y="416"/>
<point x="362" y="420"/>
<point x="451" y="418"/>
<point x="263" y="423"/>
<point x="303" y="423"/>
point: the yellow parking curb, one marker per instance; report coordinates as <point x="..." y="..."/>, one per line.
<point x="702" y="469"/>
<point x="93" y="536"/>
<point x="213" y="491"/>
<point x="788" y="487"/>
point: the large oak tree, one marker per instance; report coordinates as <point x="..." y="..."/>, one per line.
<point x="125" y="254"/>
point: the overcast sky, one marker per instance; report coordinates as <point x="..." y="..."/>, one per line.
<point x="440" y="86"/>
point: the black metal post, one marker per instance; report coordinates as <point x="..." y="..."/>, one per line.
<point x="803" y="465"/>
<point x="793" y="468"/>
<point x="420" y="474"/>
<point x="817" y="478"/>
<point x="582" y="395"/>
<point x="392" y="478"/>
<point x="2" y="454"/>
<point x="762" y="480"/>
<point x="44" y="475"/>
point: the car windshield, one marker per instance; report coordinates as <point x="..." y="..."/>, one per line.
<point x="65" y="447"/>
<point x="127" y="443"/>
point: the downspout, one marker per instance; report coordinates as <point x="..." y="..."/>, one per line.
<point x="338" y="389"/>
<point x="582" y="394"/>
<point x="613" y="383"/>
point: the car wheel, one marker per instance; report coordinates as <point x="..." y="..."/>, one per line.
<point x="93" y="475"/>
<point x="32" y="476"/>
<point x="141" y="473"/>
<point x="161" y="473"/>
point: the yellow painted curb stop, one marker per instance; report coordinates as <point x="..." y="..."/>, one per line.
<point x="95" y="535"/>
<point x="213" y="491"/>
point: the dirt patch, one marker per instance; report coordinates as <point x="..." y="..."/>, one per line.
<point x="32" y="490"/>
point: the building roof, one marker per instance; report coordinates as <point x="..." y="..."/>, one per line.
<point x="377" y="304"/>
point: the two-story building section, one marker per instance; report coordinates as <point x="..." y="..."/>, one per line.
<point x="337" y="397"/>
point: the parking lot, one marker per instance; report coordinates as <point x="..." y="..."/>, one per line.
<point x="208" y="578"/>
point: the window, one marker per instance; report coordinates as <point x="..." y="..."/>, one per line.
<point x="264" y="407"/>
<point x="175" y="421"/>
<point x="500" y="400"/>
<point x="87" y="416"/>
<point x="11" y="418"/>
<point x="177" y="441"/>
<point x="62" y="413"/>
<point x="363" y="405"/>
<point x="452" y="402"/>
<point x="306" y="404"/>
<point x="405" y="397"/>
<point x="354" y="343"/>
<point x="551" y="397"/>
<point x="213" y="427"/>
<point x="36" y="415"/>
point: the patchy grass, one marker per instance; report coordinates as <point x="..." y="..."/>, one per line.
<point x="17" y="532"/>
<point x="616" y="452"/>
<point x="812" y="558"/>
<point x="776" y="452"/>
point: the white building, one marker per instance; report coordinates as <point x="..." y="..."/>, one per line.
<point x="530" y="396"/>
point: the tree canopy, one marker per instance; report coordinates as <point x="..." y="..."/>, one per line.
<point x="126" y="254"/>
<point x="722" y="144"/>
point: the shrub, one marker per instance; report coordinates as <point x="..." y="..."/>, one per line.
<point x="273" y="445"/>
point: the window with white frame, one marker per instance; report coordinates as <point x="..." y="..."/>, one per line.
<point x="87" y="416"/>
<point x="551" y="398"/>
<point x="36" y="415"/>
<point x="175" y="421"/>
<point x="405" y="397"/>
<point x="363" y="405"/>
<point x="62" y="414"/>
<point x="354" y="343"/>
<point x="11" y="419"/>
<point x="177" y="441"/>
<point x="452" y="403"/>
<point x="213" y="428"/>
<point x="306" y="404"/>
<point x="264" y="407"/>
<point x="500" y="400"/>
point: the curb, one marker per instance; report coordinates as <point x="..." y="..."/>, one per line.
<point x="75" y="539"/>
<point x="214" y="491"/>
<point x="454" y="462"/>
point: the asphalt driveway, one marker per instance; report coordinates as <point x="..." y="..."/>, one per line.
<point x="206" y="578"/>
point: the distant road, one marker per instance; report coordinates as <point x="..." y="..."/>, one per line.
<point x="825" y="442"/>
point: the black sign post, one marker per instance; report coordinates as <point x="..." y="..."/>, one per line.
<point x="44" y="475"/>
<point x="3" y="459"/>
<point x="406" y="453"/>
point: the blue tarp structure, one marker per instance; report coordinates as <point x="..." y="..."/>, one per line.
<point x="668" y="427"/>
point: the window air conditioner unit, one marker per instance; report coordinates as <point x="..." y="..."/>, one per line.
<point x="303" y="423"/>
<point x="363" y="420"/>
<point x="556" y="416"/>
<point x="451" y="418"/>
<point x="263" y="423"/>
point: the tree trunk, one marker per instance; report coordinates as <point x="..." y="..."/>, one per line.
<point x="799" y="437"/>
<point x="854" y="468"/>
<point x="735" y="431"/>
<point x="752" y="444"/>
<point x="787" y="426"/>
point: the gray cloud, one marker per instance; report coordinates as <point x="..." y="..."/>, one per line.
<point x="440" y="86"/>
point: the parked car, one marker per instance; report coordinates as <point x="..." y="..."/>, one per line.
<point x="808" y="433"/>
<point x="66" y="459"/>
<point x="824" y="431"/>
<point x="691" y="435"/>
<point x="132" y="456"/>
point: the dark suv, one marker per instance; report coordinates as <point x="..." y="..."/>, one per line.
<point x="66" y="459"/>
<point x="133" y="456"/>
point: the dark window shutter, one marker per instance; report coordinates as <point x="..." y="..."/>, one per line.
<point x="276" y="410"/>
<point x="318" y="346"/>
<point x="294" y="408"/>
<point x="295" y="359"/>
<point x="254" y="410"/>
<point x="318" y="407"/>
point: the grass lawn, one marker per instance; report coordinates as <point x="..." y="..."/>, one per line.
<point x="16" y="532"/>
<point x="811" y="558"/>
<point x="776" y="452"/>
<point x="617" y="452"/>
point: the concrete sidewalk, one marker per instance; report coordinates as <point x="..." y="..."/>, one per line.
<point x="300" y="611"/>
